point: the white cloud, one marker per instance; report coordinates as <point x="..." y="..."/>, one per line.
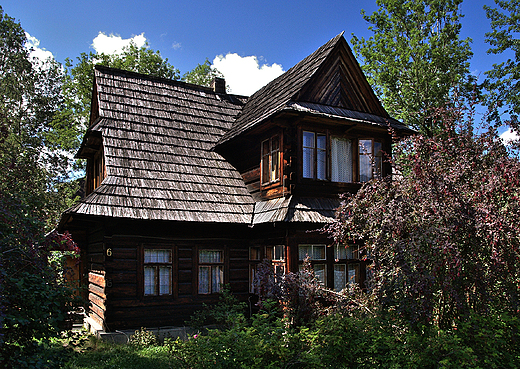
<point x="509" y="136"/>
<point x="33" y="45"/>
<point x="245" y="75"/>
<point x="114" y="44"/>
<point x="176" y="45"/>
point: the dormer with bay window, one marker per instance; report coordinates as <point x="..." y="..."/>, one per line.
<point x="92" y="149"/>
<point x="318" y="130"/>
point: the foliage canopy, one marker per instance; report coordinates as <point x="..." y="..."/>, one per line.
<point x="503" y="83"/>
<point x="443" y="233"/>
<point x="415" y="58"/>
<point x="33" y="297"/>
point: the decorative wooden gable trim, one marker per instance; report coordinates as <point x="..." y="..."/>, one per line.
<point x="94" y="105"/>
<point x="340" y="82"/>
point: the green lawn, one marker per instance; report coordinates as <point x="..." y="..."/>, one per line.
<point x="113" y="356"/>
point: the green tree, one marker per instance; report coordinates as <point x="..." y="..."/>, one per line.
<point x="202" y="74"/>
<point x="503" y="83"/>
<point x="444" y="235"/>
<point x="32" y="195"/>
<point x="415" y="60"/>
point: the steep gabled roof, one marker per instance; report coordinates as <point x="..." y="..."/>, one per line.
<point x="157" y="137"/>
<point x="274" y="96"/>
<point x="329" y="77"/>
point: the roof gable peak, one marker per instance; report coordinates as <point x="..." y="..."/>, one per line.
<point x="339" y="82"/>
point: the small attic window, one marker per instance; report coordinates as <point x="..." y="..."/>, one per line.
<point x="96" y="171"/>
<point x="271" y="160"/>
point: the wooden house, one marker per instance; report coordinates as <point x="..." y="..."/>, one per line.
<point x="190" y="187"/>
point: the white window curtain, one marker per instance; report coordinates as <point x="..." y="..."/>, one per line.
<point x="210" y="256"/>
<point x="150" y="281"/>
<point x="339" y="277"/>
<point x="165" y="277"/>
<point x="303" y="251"/>
<point x="341" y="159"/>
<point x="217" y="278"/>
<point x="365" y="160"/>
<point x="157" y="256"/>
<point x="315" y="252"/>
<point x="320" y="271"/>
<point x="210" y="276"/>
<point x="204" y="279"/>
<point x="321" y="165"/>
<point x="157" y="272"/>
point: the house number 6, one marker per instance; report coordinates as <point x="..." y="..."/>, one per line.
<point x="109" y="252"/>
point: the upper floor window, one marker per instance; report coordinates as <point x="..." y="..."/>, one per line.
<point x="314" y="155"/>
<point x="157" y="272"/>
<point x="96" y="171"/>
<point x="341" y="159"/>
<point x="334" y="158"/>
<point x="370" y="160"/>
<point x="271" y="160"/>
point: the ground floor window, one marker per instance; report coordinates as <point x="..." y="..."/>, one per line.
<point x="317" y="256"/>
<point x="211" y="271"/>
<point x="349" y="268"/>
<point x="157" y="272"/>
<point x="276" y="254"/>
<point x="344" y="263"/>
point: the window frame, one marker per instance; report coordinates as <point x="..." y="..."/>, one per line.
<point x="376" y="165"/>
<point x="322" y="262"/>
<point x="356" y="156"/>
<point x="210" y="266"/>
<point x="278" y="258"/>
<point x="353" y="259"/>
<point x="315" y="159"/>
<point x="267" y="163"/>
<point x="254" y="260"/>
<point x="157" y="265"/>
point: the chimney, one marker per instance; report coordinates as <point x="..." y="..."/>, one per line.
<point x="218" y="85"/>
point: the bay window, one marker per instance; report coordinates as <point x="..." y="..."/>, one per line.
<point x="334" y="158"/>
<point x="271" y="160"/>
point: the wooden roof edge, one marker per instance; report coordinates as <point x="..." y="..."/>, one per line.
<point x="336" y="114"/>
<point x="124" y="73"/>
<point x="93" y="130"/>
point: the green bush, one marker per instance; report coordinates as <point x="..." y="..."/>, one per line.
<point x="143" y="338"/>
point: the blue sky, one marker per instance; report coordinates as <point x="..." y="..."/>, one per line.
<point x="269" y="36"/>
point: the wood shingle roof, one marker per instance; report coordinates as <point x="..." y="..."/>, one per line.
<point x="157" y="137"/>
<point x="329" y="78"/>
<point x="275" y="95"/>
